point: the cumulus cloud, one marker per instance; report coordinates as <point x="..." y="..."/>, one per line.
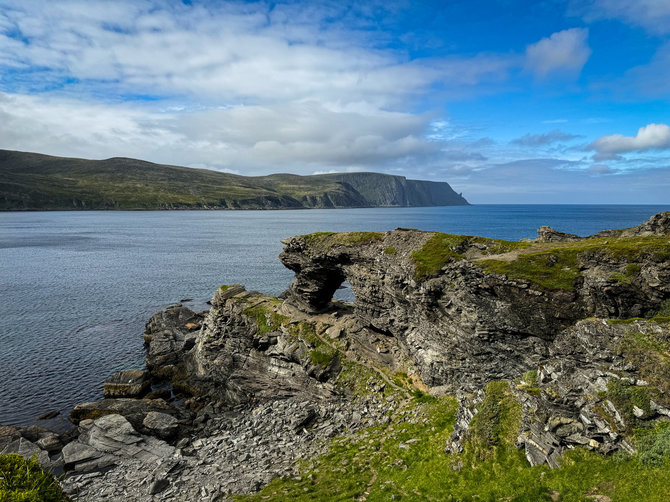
<point x="544" y="139"/>
<point x="261" y="139"/>
<point x="249" y="87"/>
<point x="652" y="15"/>
<point x="565" y="51"/>
<point x="650" y="137"/>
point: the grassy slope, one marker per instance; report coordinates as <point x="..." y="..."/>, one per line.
<point x="34" y="181"/>
<point x="405" y="460"/>
<point x="548" y="265"/>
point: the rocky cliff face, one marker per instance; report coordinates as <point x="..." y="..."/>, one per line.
<point x="468" y="310"/>
<point x="559" y="343"/>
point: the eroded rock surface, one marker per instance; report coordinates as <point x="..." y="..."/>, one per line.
<point x="464" y="323"/>
<point x="259" y="382"/>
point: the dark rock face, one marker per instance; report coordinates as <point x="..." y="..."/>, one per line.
<point x="464" y="326"/>
<point x="232" y="362"/>
<point x="169" y="334"/>
<point x="127" y="383"/>
<point x="548" y="234"/>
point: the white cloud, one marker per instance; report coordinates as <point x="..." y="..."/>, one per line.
<point x="250" y="87"/>
<point x="652" y="15"/>
<point x="650" y="137"/>
<point x="565" y="51"/>
<point x="251" y="139"/>
<point x="227" y="51"/>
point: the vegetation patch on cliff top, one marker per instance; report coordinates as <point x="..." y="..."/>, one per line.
<point x="556" y="265"/>
<point x="547" y="269"/>
<point x="441" y="249"/>
<point x="24" y="480"/>
<point x="329" y="239"/>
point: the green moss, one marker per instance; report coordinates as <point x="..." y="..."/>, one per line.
<point x="664" y="311"/>
<point x="650" y="352"/>
<point x="620" y="278"/>
<point x="441" y="249"/>
<point x="548" y="269"/>
<point x="266" y="319"/>
<point x="322" y="356"/>
<point x="23" y="480"/>
<point x="556" y="266"/>
<point x="530" y="377"/>
<point x="497" y="421"/>
<point x="632" y="269"/>
<point x="390" y="250"/>
<point x="329" y="239"/>
<point x="654" y="445"/>
<point x="436" y="253"/>
<point x="625" y="397"/>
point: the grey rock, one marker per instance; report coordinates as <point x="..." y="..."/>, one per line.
<point x="161" y="424"/>
<point x="128" y="383"/>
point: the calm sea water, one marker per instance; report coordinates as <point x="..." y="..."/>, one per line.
<point x="78" y="287"/>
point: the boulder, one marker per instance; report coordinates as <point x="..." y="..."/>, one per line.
<point x="133" y="410"/>
<point x="128" y="383"/>
<point x="110" y="440"/>
<point x="161" y="425"/>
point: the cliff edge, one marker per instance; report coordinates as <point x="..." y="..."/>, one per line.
<point x="540" y="369"/>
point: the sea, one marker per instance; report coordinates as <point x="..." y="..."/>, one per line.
<point x="78" y="287"/>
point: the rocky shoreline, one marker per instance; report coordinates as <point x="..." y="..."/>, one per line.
<point x="565" y="329"/>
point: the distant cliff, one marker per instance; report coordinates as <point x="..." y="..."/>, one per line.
<point x="30" y="181"/>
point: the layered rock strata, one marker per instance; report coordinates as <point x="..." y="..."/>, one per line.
<point x="245" y="390"/>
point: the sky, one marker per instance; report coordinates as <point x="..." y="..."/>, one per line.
<point x="510" y="101"/>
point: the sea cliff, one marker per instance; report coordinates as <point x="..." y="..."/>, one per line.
<point x="31" y="181"/>
<point x="466" y="368"/>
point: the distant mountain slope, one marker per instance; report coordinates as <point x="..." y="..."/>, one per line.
<point x="31" y="181"/>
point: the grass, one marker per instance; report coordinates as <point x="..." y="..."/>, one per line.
<point x="405" y="461"/>
<point x="442" y="249"/>
<point x="436" y="253"/>
<point x="390" y="250"/>
<point x="557" y="266"/>
<point x="266" y="319"/>
<point x="24" y="480"/>
<point x="496" y="424"/>
<point x="664" y="311"/>
<point x="650" y="352"/>
<point x="330" y="239"/>
<point x="625" y="397"/>
<point x="547" y="269"/>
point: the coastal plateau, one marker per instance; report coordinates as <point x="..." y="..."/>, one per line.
<point x="466" y="368"/>
<point x="31" y="181"/>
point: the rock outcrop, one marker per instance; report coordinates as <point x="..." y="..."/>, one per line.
<point x="572" y="332"/>
<point x="486" y="309"/>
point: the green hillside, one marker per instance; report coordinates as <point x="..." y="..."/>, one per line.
<point x="30" y="181"/>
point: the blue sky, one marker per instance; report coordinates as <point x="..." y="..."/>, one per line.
<point x="510" y="101"/>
